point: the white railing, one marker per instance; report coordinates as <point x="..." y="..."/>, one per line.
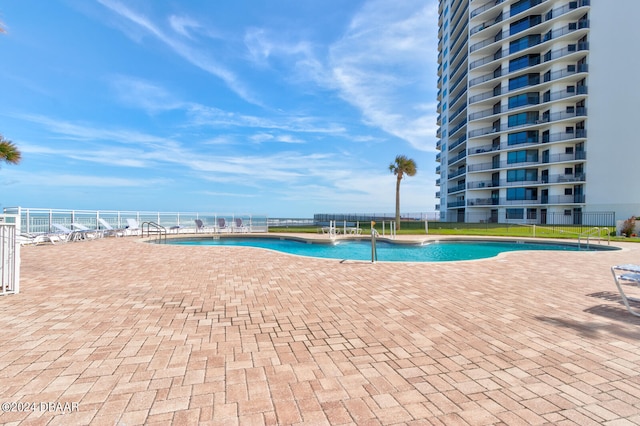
<point x="9" y="255"/>
<point x="41" y="220"/>
<point x="595" y="233"/>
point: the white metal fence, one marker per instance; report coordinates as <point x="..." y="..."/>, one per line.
<point x="41" y="221"/>
<point x="9" y="255"/>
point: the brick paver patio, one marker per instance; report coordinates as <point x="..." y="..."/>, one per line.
<point x="134" y="333"/>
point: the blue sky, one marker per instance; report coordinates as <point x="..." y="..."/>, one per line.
<point x="278" y="107"/>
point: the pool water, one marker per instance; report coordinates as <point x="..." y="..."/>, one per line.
<point x="387" y="252"/>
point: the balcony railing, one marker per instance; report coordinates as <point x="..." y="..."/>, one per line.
<point x="554" y="158"/>
<point x="460" y="203"/>
<point x="486" y="184"/>
<point x="545" y="200"/>
<point x="457" y="173"/>
<point x="462" y="139"/>
<point x="506" y="52"/>
<point x="556" y="116"/>
<point x="458" y="127"/>
<point x="488" y="24"/>
<point x="555" y="96"/>
<point x="559" y="53"/>
<point x="555" y="13"/>
<point x="489" y="5"/>
<point x="458" y="157"/>
<point x="456" y="188"/>
<point x="554" y="137"/>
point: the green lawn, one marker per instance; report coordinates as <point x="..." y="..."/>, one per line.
<point x="497" y="230"/>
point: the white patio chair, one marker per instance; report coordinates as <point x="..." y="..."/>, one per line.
<point x="87" y="233"/>
<point x="630" y="274"/>
<point x="110" y="231"/>
<point x="201" y="227"/>
<point x="132" y="227"/>
<point x="238" y="226"/>
<point x="66" y="234"/>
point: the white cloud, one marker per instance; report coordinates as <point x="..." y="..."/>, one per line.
<point x="144" y="94"/>
<point x="65" y="180"/>
<point x="384" y="66"/>
<point x="182" y="25"/>
<point x="199" y="57"/>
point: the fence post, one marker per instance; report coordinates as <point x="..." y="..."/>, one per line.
<point x="9" y="254"/>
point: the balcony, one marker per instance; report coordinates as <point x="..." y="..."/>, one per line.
<point x="548" y="159"/>
<point x="555" y="96"/>
<point x="554" y="35"/>
<point x="458" y="127"/>
<point x="489" y="5"/>
<point x="541" y="200"/>
<point x="462" y="139"/>
<point x="489" y="23"/>
<point x="459" y="203"/>
<point x="551" y="118"/>
<point x="555" y="13"/>
<point x="454" y="174"/>
<point x="546" y="77"/>
<point x="457" y="158"/>
<point x="545" y="180"/>
<point x="554" y="137"/>
<point x="456" y="188"/>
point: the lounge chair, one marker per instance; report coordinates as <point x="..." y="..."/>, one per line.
<point x="89" y="234"/>
<point x="629" y="274"/>
<point x="67" y="234"/>
<point x="132" y="227"/>
<point x="35" y="239"/>
<point x="222" y="225"/>
<point x="239" y="226"/>
<point x="200" y="226"/>
<point x="110" y="231"/>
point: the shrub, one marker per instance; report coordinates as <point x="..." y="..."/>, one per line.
<point x="628" y="226"/>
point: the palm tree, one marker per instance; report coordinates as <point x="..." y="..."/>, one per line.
<point x="400" y="167"/>
<point x="9" y="153"/>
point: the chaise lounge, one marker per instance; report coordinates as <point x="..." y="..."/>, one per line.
<point x="623" y="274"/>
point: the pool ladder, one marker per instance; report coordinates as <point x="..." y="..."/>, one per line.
<point x="154" y="228"/>
<point x="594" y="232"/>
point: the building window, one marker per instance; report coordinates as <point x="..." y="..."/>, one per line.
<point x="531" y="98"/>
<point x="567" y="212"/>
<point x="524" y="81"/>
<point x="522" y="175"/>
<point x="522" y="193"/>
<point x="523" y="118"/>
<point x="524" y="43"/>
<point x="523" y="5"/>
<point x="515" y="213"/>
<point x="524" y="23"/>
<point x="532" y="214"/>
<point x="524" y="156"/>
<point x="568" y="191"/>
<point x="522" y="137"/>
<point x="568" y="171"/>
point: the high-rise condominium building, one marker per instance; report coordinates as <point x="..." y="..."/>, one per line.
<point x="538" y="102"/>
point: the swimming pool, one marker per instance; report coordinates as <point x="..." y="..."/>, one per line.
<point x="436" y="251"/>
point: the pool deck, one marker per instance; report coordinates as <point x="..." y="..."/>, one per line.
<point x="135" y="333"/>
